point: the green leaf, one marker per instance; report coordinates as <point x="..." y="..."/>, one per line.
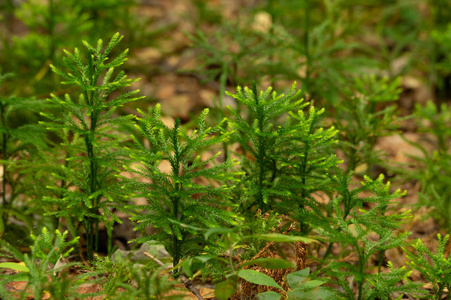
<point x="204" y="258"/>
<point x="186" y="266"/>
<point x="317" y="294"/>
<point x="269" y="296"/>
<point x="14" y="266"/>
<point x="224" y="290"/>
<point x="277" y="237"/>
<point x="308" y="285"/>
<point x="270" y="263"/>
<point x="258" y="278"/>
<point x="216" y="230"/>
<point x="183" y="225"/>
<point x="297" y="278"/>
<point x="190" y="264"/>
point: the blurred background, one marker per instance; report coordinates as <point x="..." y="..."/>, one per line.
<point x="187" y="52"/>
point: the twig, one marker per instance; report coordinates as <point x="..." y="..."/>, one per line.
<point x="186" y="282"/>
<point x="159" y="262"/>
<point x="190" y="286"/>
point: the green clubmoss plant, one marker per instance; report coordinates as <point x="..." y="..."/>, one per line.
<point x="263" y="141"/>
<point x="311" y="51"/>
<point x="434" y="267"/>
<point x="308" y="157"/>
<point x="438" y="45"/>
<point x="20" y="142"/>
<point x="92" y="189"/>
<point x="193" y="194"/>
<point x="149" y="284"/>
<point x="42" y="269"/>
<point x="50" y="25"/>
<point x="434" y="167"/>
<point x="393" y="282"/>
<point x="54" y="24"/>
<point x="363" y="119"/>
<point x="368" y="231"/>
<point x="230" y="55"/>
<point x="435" y="119"/>
<point x="226" y="62"/>
<point x="285" y="155"/>
<point x="124" y="279"/>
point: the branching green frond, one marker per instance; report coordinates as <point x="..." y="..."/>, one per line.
<point x="176" y="203"/>
<point x="92" y="118"/>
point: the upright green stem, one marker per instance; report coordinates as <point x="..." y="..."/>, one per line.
<point x="381" y="253"/>
<point x="381" y="259"/>
<point x="87" y="224"/>
<point x="9" y="25"/>
<point x="177" y="188"/>
<point x="175" y="241"/>
<point x="361" y="265"/>
<point x="222" y="87"/>
<point x="92" y="226"/>
<point x="303" y="226"/>
<point x="352" y="162"/>
<point x="305" y="159"/>
<point x="303" y="172"/>
<point x="347" y="207"/>
<point x="92" y="157"/>
<point x="94" y="93"/>
<point x="261" y="151"/>
<point x="56" y="220"/>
